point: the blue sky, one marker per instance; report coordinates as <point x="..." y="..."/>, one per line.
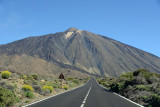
<point x="134" y="22"/>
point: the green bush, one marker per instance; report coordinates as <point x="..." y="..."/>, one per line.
<point x="50" y="88"/>
<point x="155" y="100"/>
<point x="30" y="77"/>
<point x="143" y="87"/>
<point x="27" y="101"/>
<point x="23" y="77"/>
<point x="76" y="82"/>
<point x="7" y="97"/>
<point x="35" y="77"/>
<point x="27" y="88"/>
<point x="37" y="89"/>
<point x="102" y="82"/>
<point x="144" y="73"/>
<point x="29" y="94"/>
<point x="47" y="83"/>
<point x="126" y="77"/>
<point x="114" y="87"/>
<point x="6" y="74"/>
<point x="56" y="85"/>
<point x="144" y="97"/>
<point x="65" y="87"/>
<point x="69" y="78"/>
<point x="117" y="87"/>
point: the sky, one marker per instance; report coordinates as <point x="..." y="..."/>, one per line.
<point x="133" y="22"/>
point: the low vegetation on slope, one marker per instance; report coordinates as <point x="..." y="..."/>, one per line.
<point x="140" y="86"/>
<point x="18" y="90"/>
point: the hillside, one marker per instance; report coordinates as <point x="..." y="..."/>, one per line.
<point x="24" y="64"/>
<point x="83" y="51"/>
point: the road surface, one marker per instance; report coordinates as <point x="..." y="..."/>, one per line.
<point x="89" y="95"/>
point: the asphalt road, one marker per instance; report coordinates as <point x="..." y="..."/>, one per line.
<point x="90" y="95"/>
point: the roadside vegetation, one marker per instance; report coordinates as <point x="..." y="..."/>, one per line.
<point x="139" y="86"/>
<point x="17" y="90"/>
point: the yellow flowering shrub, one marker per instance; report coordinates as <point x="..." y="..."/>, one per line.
<point x="50" y="88"/>
<point x="27" y="88"/>
<point x="66" y="87"/>
<point x="6" y="74"/>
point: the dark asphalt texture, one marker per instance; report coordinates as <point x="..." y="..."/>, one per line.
<point x="98" y="97"/>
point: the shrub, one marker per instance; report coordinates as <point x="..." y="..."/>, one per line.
<point x="3" y="83"/>
<point x="27" y="88"/>
<point x="144" y="73"/>
<point x="155" y="100"/>
<point x="46" y="92"/>
<point x="153" y="79"/>
<point x="139" y="71"/>
<point x="6" y="74"/>
<point x="117" y="87"/>
<point x="56" y="81"/>
<point x="23" y="77"/>
<point x="48" y="83"/>
<point x="7" y="97"/>
<point x="35" y="77"/>
<point x="27" y="101"/>
<point x="143" y="87"/>
<point x="37" y="89"/>
<point x="56" y="85"/>
<point x="126" y="77"/>
<point x="29" y="77"/>
<point x="65" y="87"/>
<point x="139" y="80"/>
<point x="76" y="81"/>
<point x="114" y="87"/>
<point x="102" y="82"/>
<point x="50" y="88"/>
<point x="29" y="94"/>
<point x="69" y="78"/>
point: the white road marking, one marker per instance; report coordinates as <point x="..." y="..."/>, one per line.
<point x="84" y="101"/>
<point x="82" y="105"/>
<point x="121" y="96"/>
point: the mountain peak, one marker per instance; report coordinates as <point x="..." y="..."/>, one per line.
<point x="72" y="29"/>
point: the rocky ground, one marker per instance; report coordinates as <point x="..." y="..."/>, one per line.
<point x="13" y="94"/>
<point x="139" y="86"/>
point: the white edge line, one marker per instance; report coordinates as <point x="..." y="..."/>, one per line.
<point x="121" y="96"/>
<point x="84" y="101"/>
<point x="55" y="95"/>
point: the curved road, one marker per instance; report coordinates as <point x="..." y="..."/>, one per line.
<point x="89" y="95"/>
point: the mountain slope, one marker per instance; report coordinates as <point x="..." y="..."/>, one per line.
<point x="84" y="51"/>
<point x="24" y="64"/>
